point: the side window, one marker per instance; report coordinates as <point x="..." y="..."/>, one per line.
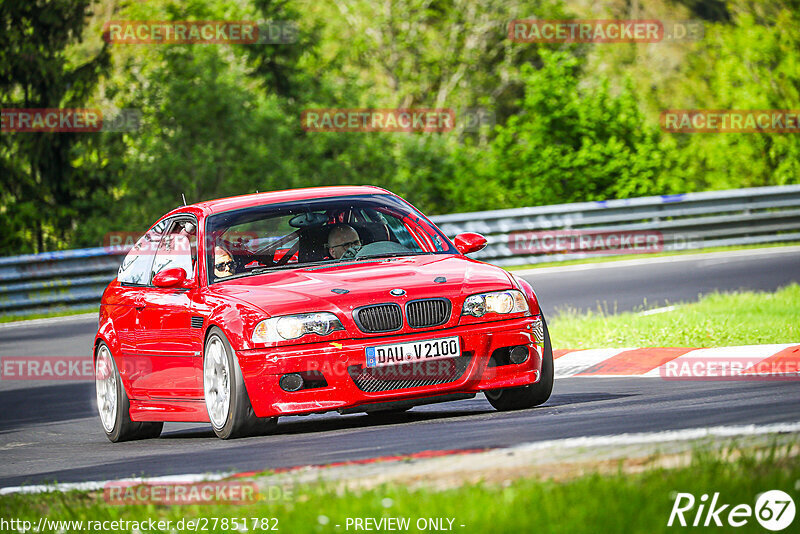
<point x="135" y="268"/>
<point x="178" y="249"/>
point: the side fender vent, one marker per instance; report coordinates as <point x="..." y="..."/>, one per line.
<point x="197" y="321"/>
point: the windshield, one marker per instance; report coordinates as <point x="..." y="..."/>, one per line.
<point x="317" y="232"/>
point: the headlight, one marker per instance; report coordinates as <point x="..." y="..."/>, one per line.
<point x="511" y="301"/>
<point x="295" y="326"/>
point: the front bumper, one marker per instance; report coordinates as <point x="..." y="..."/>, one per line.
<point x="262" y="369"/>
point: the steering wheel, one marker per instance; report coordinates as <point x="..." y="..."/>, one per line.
<point x="351" y="253"/>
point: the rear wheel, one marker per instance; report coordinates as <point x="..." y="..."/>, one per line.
<point x="113" y="405"/>
<point x="228" y="405"/>
<point x="533" y="394"/>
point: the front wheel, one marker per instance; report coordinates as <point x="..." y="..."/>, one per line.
<point x="532" y="395"/>
<point x="228" y="405"/>
<point x="113" y="404"/>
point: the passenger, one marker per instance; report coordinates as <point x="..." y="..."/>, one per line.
<point x="342" y="238"/>
<point x="223" y="263"/>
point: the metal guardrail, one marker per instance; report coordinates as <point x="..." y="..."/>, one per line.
<point x="69" y="280"/>
<point x="758" y="215"/>
<point x="75" y="279"/>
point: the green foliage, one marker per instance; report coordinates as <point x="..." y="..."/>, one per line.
<point x="750" y="65"/>
<point x="571" y="143"/>
<point x="48" y="179"/>
<point x="717" y="320"/>
<point x="574" y="122"/>
<point x="417" y="53"/>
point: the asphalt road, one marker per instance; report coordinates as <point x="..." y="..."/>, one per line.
<point x="59" y="437"/>
<point x="631" y="285"/>
<point x="49" y="430"/>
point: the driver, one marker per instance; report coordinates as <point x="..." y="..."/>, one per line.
<point x="223" y="263"/>
<point x="341" y="238"/>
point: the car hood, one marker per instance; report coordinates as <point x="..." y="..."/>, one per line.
<point x="368" y="282"/>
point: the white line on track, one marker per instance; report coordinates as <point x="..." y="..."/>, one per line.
<point x="665" y="436"/>
<point x="49" y="320"/>
<point x="560" y="444"/>
<point x="733" y="254"/>
<point x="99" y="485"/>
<point x="656" y="311"/>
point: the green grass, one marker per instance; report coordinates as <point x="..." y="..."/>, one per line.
<point x="10" y="318"/>
<point x="716" y="320"/>
<point x="603" y="259"/>
<point x="607" y="259"/>
<point x="618" y="502"/>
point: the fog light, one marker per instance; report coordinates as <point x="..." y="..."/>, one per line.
<point x="518" y="354"/>
<point x="291" y="382"/>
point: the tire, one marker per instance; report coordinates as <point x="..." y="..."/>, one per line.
<point x="532" y="395"/>
<point x="227" y="403"/>
<point x="113" y="405"/>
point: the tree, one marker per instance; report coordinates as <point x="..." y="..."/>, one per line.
<point x="46" y="176"/>
<point x="750" y="65"/>
<point x="570" y="143"/>
<point x="429" y="53"/>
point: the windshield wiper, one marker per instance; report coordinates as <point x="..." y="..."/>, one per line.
<point x="262" y="270"/>
<point x="323" y="263"/>
<point x="259" y="270"/>
<point x="391" y="255"/>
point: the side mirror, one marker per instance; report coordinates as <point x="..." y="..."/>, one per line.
<point x="170" y="278"/>
<point x="469" y="242"/>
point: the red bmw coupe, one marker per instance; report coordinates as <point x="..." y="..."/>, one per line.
<point x="240" y="310"/>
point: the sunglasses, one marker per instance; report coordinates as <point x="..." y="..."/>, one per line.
<point x="225" y="266"/>
<point x="355" y="243"/>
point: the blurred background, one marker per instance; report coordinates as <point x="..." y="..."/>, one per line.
<point x="569" y="122"/>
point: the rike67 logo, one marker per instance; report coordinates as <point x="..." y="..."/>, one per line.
<point x="774" y="510"/>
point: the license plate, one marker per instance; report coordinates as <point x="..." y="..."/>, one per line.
<point x="413" y="351"/>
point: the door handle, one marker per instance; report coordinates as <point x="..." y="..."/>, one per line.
<point x="139" y="308"/>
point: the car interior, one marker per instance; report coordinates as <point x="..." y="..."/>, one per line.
<point x="259" y="239"/>
<point x="313" y="241"/>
